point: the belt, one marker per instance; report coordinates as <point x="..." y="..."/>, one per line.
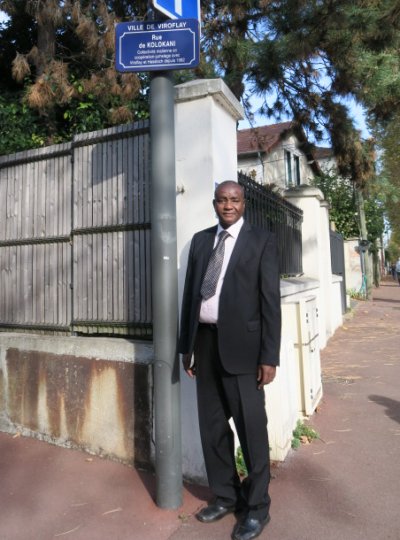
<point x="208" y="326"/>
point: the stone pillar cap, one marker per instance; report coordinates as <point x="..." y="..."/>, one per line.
<point x="216" y="88"/>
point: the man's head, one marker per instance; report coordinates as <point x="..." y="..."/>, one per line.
<point x="229" y="203"/>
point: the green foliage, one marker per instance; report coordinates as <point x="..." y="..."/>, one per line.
<point x="83" y="115"/>
<point x="392" y="253"/>
<point x="340" y="195"/>
<point x="59" y="62"/>
<point x="357" y="295"/>
<point x="339" y="192"/>
<point x="21" y="128"/>
<point x="387" y="135"/>
<point x="303" y="433"/>
<point x="240" y="463"/>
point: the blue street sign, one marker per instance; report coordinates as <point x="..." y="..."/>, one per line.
<point x="179" y="9"/>
<point x="157" y="46"/>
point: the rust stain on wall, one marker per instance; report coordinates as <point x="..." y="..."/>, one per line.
<point x="134" y="398"/>
<point x="22" y="388"/>
<point x="54" y="394"/>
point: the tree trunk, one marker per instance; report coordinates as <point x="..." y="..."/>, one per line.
<point x="46" y="43"/>
<point x="364" y="237"/>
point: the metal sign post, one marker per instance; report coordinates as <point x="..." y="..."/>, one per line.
<point x="159" y="46"/>
<point x="165" y="294"/>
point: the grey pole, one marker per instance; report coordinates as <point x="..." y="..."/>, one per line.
<point x="165" y="294"/>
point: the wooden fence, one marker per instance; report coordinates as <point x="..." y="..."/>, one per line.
<point x="75" y="235"/>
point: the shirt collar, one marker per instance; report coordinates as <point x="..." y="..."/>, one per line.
<point x="233" y="230"/>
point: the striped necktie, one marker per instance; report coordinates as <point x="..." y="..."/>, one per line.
<point x="209" y="285"/>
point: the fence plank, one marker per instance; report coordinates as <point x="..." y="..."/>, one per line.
<point x="4" y="203"/>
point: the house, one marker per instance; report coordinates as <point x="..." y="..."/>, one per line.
<point x="325" y="158"/>
<point x="277" y="154"/>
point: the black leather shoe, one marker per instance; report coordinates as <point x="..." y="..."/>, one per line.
<point x="214" y="512"/>
<point x="249" y="528"/>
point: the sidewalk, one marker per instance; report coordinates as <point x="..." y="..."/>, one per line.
<point x="345" y="486"/>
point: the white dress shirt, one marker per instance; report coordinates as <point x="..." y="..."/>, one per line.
<point x="209" y="308"/>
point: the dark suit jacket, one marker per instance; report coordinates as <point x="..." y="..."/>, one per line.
<point x="249" y="319"/>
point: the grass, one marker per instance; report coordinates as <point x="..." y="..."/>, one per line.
<point x="356" y="295"/>
<point x="303" y="434"/>
<point x="240" y="464"/>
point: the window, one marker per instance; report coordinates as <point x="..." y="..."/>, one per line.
<point x="288" y="160"/>
<point x="297" y="170"/>
<point x="292" y="169"/>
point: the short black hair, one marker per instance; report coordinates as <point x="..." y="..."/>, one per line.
<point x="229" y="183"/>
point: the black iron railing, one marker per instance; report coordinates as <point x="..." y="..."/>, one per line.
<point x="269" y="210"/>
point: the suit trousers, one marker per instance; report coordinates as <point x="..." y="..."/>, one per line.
<point x="222" y="396"/>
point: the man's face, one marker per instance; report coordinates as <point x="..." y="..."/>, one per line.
<point x="229" y="204"/>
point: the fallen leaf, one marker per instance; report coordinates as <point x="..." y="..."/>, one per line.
<point x="320" y="479"/>
<point x="18" y="434"/>
<point x="68" y="532"/>
<point x="112" y="511"/>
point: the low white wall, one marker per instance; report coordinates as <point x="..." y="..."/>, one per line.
<point x="336" y="316"/>
<point x="297" y="388"/>
<point x="352" y="265"/>
<point x="300" y="313"/>
<point x="317" y="255"/>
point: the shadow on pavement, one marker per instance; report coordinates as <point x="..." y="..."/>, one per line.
<point x="392" y="406"/>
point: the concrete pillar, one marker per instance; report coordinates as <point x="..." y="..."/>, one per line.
<point x="353" y="264"/>
<point x="206" y="115"/>
<point x="316" y="248"/>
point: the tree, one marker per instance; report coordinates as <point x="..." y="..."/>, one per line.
<point x="356" y="213"/>
<point x="21" y="127"/>
<point x="306" y="58"/>
<point x="314" y="55"/>
<point x="65" y="64"/>
<point x="339" y="193"/>
<point x="387" y="135"/>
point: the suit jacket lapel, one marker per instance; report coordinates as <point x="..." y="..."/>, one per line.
<point x="206" y="249"/>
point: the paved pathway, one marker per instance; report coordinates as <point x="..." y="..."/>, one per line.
<point x="345" y="486"/>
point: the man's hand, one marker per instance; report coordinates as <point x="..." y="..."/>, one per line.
<point x="266" y="374"/>
<point x="190" y="370"/>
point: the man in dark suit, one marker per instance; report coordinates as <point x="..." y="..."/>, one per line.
<point x="231" y="321"/>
